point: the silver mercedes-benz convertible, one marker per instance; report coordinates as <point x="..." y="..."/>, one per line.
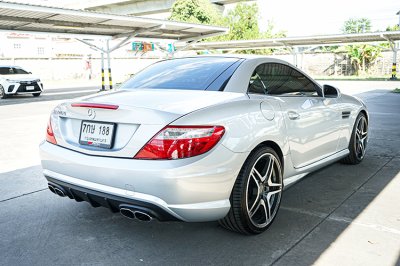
<point x="201" y="139"/>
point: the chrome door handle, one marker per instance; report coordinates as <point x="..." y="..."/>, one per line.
<point x="293" y="115"/>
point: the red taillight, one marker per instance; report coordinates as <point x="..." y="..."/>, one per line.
<point x="96" y="105"/>
<point x="176" y="142"/>
<point x="50" y="134"/>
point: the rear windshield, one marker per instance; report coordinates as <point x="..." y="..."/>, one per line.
<point x="11" y="71"/>
<point x="184" y="74"/>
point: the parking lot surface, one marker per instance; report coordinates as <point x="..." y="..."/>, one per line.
<point x="340" y="215"/>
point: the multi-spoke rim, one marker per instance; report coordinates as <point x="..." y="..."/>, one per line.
<point x="264" y="190"/>
<point x="361" y="137"/>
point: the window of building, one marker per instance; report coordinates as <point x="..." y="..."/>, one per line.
<point x="40" y="50"/>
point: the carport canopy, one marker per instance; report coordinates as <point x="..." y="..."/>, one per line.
<point x="290" y="42"/>
<point x="84" y="25"/>
<point x="294" y="43"/>
<point x="43" y="19"/>
<point x="317" y="40"/>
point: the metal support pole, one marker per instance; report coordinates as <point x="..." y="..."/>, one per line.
<point x="158" y="46"/>
<point x="335" y="65"/>
<point x="109" y="65"/>
<point x="302" y="60"/>
<point x="394" y="62"/>
<point x="395" y="48"/>
<point x="103" y="87"/>
<point x="398" y="13"/>
<point x="90" y="45"/>
<point x="394" y="72"/>
<point x="295" y="51"/>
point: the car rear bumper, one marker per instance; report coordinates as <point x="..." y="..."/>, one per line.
<point x="194" y="189"/>
<point x="110" y="201"/>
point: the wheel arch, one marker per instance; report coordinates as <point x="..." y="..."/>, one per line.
<point x="267" y="143"/>
<point x="275" y="147"/>
<point x="365" y="113"/>
<point x="235" y="219"/>
<point x="353" y="157"/>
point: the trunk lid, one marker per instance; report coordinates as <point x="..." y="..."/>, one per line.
<point x="139" y="116"/>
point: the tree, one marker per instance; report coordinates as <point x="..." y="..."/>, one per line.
<point x="361" y="56"/>
<point x="395" y="27"/>
<point x="271" y="33"/>
<point x="243" y="22"/>
<point x="243" y="25"/>
<point x="357" y="25"/>
<point x="195" y="11"/>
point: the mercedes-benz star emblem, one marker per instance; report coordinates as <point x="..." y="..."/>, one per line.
<point x="91" y="113"/>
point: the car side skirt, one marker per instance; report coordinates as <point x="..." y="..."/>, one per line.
<point x="294" y="174"/>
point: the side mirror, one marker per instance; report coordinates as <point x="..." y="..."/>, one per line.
<point x="331" y="92"/>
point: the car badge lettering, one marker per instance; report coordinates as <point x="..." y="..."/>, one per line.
<point x="60" y="113"/>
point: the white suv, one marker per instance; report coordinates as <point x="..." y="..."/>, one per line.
<point x="15" y="80"/>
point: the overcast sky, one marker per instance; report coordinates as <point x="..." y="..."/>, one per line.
<point x="310" y="17"/>
<point x="306" y="17"/>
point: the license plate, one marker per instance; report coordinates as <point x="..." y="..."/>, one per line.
<point x="30" y="88"/>
<point x="97" y="134"/>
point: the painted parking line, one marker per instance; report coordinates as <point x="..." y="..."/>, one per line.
<point x="68" y="92"/>
<point x="381" y="113"/>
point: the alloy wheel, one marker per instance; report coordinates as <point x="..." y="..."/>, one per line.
<point x="361" y="138"/>
<point x="264" y="190"/>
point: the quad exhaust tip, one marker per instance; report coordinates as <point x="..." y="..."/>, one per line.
<point x="134" y="214"/>
<point x="56" y="190"/>
<point x="127" y="211"/>
<point x="59" y="192"/>
<point x="51" y="188"/>
<point x="143" y="216"/>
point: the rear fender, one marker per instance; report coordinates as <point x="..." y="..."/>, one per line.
<point x="246" y="126"/>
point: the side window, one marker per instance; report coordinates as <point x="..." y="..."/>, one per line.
<point x="19" y="71"/>
<point x="256" y="84"/>
<point x="279" y="79"/>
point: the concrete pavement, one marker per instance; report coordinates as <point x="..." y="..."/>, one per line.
<point x="340" y="215"/>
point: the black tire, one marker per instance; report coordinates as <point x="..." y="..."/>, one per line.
<point x="3" y="95"/>
<point x="239" y="217"/>
<point x="36" y="94"/>
<point x="358" y="141"/>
